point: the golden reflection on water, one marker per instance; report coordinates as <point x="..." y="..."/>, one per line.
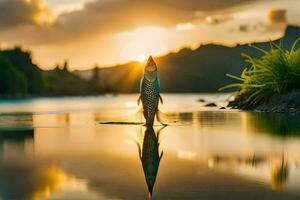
<point x="279" y="174"/>
<point x="52" y="180"/>
<point x="66" y="154"/>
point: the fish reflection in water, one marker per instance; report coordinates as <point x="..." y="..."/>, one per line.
<point x="150" y="156"/>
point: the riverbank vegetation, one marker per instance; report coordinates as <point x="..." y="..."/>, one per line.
<point x="275" y="73"/>
<point x="195" y="70"/>
<point x="20" y="77"/>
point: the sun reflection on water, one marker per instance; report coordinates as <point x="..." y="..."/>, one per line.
<point x="68" y="153"/>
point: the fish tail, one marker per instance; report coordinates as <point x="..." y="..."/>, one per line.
<point x="149" y="122"/>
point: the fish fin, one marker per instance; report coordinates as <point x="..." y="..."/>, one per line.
<point x="159" y="134"/>
<point x="159" y="120"/>
<point x="140" y="149"/>
<point x="139" y="100"/>
<point x="161" y="155"/>
<point x="161" y="100"/>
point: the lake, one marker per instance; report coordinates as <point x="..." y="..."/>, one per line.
<point x="57" y="148"/>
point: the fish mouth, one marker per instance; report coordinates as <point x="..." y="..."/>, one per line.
<point x="151" y="76"/>
<point x="150" y="69"/>
<point x="151" y="65"/>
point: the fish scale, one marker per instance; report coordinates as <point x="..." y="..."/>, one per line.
<point x="150" y="99"/>
<point x="150" y="157"/>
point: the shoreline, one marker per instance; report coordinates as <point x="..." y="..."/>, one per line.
<point x="278" y="103"/>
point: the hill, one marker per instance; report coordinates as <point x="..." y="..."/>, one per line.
<point x="199" y="70"/>
<point x="20" y="77"/>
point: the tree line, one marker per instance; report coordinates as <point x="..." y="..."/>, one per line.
<point x="20" y="77"/>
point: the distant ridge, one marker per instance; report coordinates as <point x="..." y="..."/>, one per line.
<point x="199" y="70"/>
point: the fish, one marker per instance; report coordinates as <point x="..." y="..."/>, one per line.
<point x="150" y="156"/>
<point x="150" y="93"/>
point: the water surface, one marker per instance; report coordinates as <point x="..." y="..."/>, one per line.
<point x="55" y="148"/>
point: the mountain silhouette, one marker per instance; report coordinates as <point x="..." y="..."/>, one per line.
<point x="199" y="70"/>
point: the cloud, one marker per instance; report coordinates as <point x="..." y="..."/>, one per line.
<point x="19" y="12"/>
<point x="100" y="17"/>
<point x="185" y="26"/>
<point x="90" y="33"/>
<point x="244" y="27"/>
<point x="277" y="16"/>
<point x="120" y="15"/>
<point x="217" y="19"/>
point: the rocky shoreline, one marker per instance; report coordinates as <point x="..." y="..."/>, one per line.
<point x="279" y="103"/>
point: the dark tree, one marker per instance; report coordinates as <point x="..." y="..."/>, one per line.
<point x="22" y="61"/>
<point x="95" y="79"/>
<point x="12" y="81"/>
<point x="65" y="67"/>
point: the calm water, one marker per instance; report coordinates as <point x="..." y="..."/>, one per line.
<point x="56" y="149"/>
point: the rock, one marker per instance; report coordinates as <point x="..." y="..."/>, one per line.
<point x="211" y="105"/>
<point x="288" y="102"/>
<point x="201" y="100"/>
<point x="232" y="104"/>
<point x="222" y="108"/>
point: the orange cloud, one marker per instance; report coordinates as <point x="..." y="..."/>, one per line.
<point x="277" y="16"/>
<point x="19" y="12"/>
<point x="100" y="17"/>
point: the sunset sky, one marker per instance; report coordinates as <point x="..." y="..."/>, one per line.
<point x="107" y="32"/>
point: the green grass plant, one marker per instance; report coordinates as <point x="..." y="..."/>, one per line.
<point x="275" y="72"/>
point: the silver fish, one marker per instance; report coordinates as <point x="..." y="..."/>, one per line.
<point x="150" y="92"/>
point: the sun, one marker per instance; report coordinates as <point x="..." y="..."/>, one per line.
<point x="141" y="58"/>
<point x="142" y="42"/>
